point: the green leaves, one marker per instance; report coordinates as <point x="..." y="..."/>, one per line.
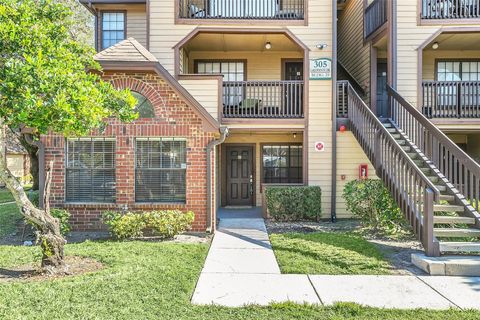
<point x="370" y="201"/>
<point x="294" y="203"/>
<point x="44" y="82"/>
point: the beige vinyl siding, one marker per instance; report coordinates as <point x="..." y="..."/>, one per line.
<point x="258" y="140"/>
<point x="266" y="65"/>
<point x="137" y="26"/>
<point x="15" y="163"/>
<point x="409" y="37"/>
<point x="205" y="91"/>
<point x="349" y="157"/>
<point x="430" y="56"/>
<point x="353" y="54"/>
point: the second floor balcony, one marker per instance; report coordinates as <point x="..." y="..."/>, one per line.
<point x="451" y="99"/>
<point x="202" y="10"/>
<point x="375" y="16"/>
<point x="450" y="9"/>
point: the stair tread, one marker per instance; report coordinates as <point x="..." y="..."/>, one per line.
<point x="459" y="246"/>
<point x="452" y="219"/>
<point x="456" y="232"/>
<point x="448" y="208"/>
<point x="447" y="197"/>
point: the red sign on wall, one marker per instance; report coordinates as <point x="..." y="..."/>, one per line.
<point x="319" y="146"/>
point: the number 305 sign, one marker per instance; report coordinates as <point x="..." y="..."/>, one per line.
<point x="321" y="69"/>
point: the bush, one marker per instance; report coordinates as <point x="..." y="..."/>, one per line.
<point x="294" y="203"/>
<point x="370" y="201"/>
<point x="34" y="197"/>
<point x="63" y="216"/>
<point x="165" y="224"/>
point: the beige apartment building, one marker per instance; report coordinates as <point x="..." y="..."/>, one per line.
<point x="239" y="95"/>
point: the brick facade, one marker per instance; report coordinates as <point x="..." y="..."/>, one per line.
<point x="174" y="118"/>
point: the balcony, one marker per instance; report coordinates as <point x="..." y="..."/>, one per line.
<point x="375" y="17"/>
<point x="450" y="9"/>
<point x="451" y="99"/>
<point x="202" y="10"/>
<point x="263" y="99"/>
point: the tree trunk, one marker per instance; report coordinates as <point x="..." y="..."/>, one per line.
<point x="33" y="155"/>
<point x="49" y="236"/>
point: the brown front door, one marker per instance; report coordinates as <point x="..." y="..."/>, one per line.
<point x="240" y="175"/>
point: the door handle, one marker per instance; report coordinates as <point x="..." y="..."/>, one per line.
<point x="251" y="185"/>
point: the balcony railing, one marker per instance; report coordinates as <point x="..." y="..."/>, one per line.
<point x="263" y="99"/>
<point x="451" y="99"/>
<point x="375" y="16"/>
<point x="242" y="9"/>
<point x="450" y="9"/>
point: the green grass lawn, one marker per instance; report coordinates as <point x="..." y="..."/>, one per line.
<point x="9" y="216"/>
<point x="5" y="196"/>
<point x="146" y="280"/>
<point x="327" y="253"/>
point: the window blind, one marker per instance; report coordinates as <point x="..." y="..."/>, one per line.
<point x="160" y="170"/>
<point x="90" y="170"/>
<point x="282" y="164"/>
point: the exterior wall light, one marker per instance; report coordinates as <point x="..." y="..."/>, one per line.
<point x="435" y="46"/>
<point x="268" y="45"/>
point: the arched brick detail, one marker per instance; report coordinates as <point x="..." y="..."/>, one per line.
<point x="147" y="90"/>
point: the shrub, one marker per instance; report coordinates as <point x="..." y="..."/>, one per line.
<point x="34" y="197"/>
<point x="370" y="201"/>
<point x="169" y="223"/>
<point x="294" y="203"/>
<point x="125" y="226"/>
<point x="165" y="224"/>
<point x="63" y="216"/>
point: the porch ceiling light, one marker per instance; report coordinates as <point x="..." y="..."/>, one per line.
<point x="268" y="45"/>
<point x="435" y="45"/>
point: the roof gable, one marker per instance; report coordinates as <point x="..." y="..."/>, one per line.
<point x="127" y="50"/>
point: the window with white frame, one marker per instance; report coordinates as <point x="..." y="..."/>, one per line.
<point x="113" y="28"/>
<point x="90" y="170"/>
<point x="458" y="70"/>
<point x="160" y="170"/>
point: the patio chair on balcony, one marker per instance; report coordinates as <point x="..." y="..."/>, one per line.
<point x="196" y="12"/>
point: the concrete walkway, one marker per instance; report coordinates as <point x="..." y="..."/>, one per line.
<point x="241" y="269"/>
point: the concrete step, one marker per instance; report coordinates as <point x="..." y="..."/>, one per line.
<point x="459" y="246"/>
<point x="455" y="232"/>
<point x="392" y="130"/>
<point x="441" y="188"/>
<point x="402" y="142"/>
<point x="397" y="136"/>
<point x="467" y="266"/>
<point x="453" y="220"/>
<point x="447" y="197"/>
<point x="425" y="170"/>
<point x="406" y="148"/>
<point x="387" y="125"/>
<point x="448" y="208"/>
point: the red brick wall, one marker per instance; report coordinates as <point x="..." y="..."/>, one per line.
<point x="174" y="118"/>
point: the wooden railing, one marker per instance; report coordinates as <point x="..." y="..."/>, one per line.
<point x="242" y="9"/>
<point x="451" y="99"/>
<point x="263" y="99"/>
<point x="450" y="9"/>
<point x="375" y="16"/>
<point x="412" y="190"/>
<point x="342" y="99"/>
<point x="457" y="166"/>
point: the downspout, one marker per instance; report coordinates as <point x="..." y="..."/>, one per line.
<point x="210" y="146"/>
<point x="334" y="113"/>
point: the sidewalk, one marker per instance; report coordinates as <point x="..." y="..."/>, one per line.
<point x="241" y="269"/>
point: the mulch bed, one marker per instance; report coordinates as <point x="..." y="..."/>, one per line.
<point x="31" y="272"/>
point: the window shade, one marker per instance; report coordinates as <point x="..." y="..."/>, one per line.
<point x="160" y="170"/>
<point x="90" y="171"/>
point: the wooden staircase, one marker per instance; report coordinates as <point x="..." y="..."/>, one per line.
<point x="430" y="178"/>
